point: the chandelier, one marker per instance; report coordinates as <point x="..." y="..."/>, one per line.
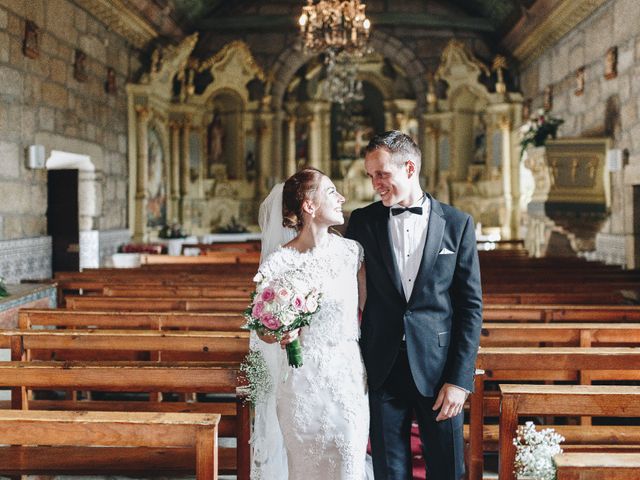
<point x="340" y="30"/>
<point x="334" y="24"/>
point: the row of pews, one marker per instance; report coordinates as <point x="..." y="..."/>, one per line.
<point x="160" y="347"/>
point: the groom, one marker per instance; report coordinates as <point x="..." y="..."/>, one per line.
<point x="422" y="319"/>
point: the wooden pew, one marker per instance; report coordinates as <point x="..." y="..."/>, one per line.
<point x="597" y="466"/>
<point x="186" y="377"/>
<point x="546" y="364"/>
<point x="90" y="302"/>
<point x="561" y="313"/>
<point x="592" y="400"/>
<point x="62" y="318"/>
<point x="104" y="429"/>
<point x="568" y="334"/>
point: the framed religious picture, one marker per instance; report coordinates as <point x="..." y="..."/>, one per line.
<point x="80" y="66"/>
<point x="110" y="85"/>
<point x="579" y="82"/>
<point x="548" y="98"/>
<point x="611" y="63"/>
<point x="156" y="181"/>
<point x="30" y="43"/>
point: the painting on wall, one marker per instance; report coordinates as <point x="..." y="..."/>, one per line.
<point x="611" y="63"/>
<point x="156" y="185"/>
<point x="215" y="144"/>
<point x="30" y="44"/>
<point x="194" y="156"/>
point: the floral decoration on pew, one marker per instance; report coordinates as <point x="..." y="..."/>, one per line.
<point x="3" y="288"/>
<point x="277" y="307"/>
<point x="535" y="451"/>
<point x="538" y="129"/>
<point x="256" y="373"/>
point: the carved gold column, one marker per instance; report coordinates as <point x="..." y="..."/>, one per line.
<point x="314" y="154"/>
<point x="325" y="134"/>
<point x="184" y="169"/>
<point x="290" y="164"/>
<point x="265" y="174"/>
<point x="142" y="154"/>
<point x="509" y="227"/>
<point x="175" y="166"/>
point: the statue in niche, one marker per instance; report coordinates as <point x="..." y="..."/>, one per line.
<point x="548" y="98"/>
<point x="215" y="142"/>
<point x="30" y="47"/>
<point x="579" y="82"/>
<point x="80" y="66"/>
<point x="611" y="63"/>
<point x="480" y="142"/>
<point x="110" y="86"/>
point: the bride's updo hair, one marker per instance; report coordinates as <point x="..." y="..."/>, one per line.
<point x="296" y="190"/>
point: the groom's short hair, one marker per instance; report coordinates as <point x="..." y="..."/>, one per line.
<point x="400" y="145"/>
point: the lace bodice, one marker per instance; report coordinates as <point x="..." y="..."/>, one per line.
<point x="332" y="269"/>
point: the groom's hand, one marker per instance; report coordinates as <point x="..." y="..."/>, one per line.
<point x="450" y="401"/>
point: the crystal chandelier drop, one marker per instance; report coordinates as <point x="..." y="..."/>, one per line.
<point x="335" y="25"/>
<point x="340" y="30"/>
<point x="342" y="85"/>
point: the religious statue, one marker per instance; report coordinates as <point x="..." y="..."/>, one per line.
<point x="215" y="142"/>
<point x="480" y="142"/>
<point x="611" y="63"/>
<point x="579" y="82"/>
<point x="80" y="66"/>
<point x="110" y="86"/>
<point x="500" y="64"/>
<point x="548" y="98"/>
<point x="30" y="46"/>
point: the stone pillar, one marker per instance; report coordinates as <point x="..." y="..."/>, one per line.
<point x="314" y="154"/>
<point x="430" y="156"/>
<point x="265" y="172"/>
<point x="277" y="152"/>
<point x="142" y="153"/>
<point x="175" y="166"/>
<point x="184" y="170"/>
<point x="509" y="228"/>
<point x="325" y="133"/>
<point x="290" y="155"/>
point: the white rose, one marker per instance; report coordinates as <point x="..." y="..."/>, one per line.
<point x="312" y="304"/>
<point x="258" y="277"/>
<point x="287" y="317"/>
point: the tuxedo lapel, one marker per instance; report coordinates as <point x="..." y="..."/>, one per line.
<point x="386" y="252"/>
<point x="435" y="232"/>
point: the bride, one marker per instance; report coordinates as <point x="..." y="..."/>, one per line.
<point x="315" y="422"/>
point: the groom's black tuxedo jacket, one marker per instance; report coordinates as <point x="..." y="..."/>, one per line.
<point x="443" y="317"/>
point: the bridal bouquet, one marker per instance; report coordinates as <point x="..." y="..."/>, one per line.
<point x="535" y="451"/>
<point x="277" y="307"/>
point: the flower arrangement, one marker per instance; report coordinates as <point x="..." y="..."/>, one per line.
<point x="277" y="307"/>
<point x="3" y="288"/>
<point x="255" y="371"/>
<point x="537" y="130"/>
<point x="535" y="451"/>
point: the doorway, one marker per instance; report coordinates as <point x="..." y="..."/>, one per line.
<point x="63" y="219"/>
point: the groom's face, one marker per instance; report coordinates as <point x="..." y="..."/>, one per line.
<point x="389" y="179"/>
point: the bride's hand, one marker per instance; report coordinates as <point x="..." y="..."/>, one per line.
<point x="266" y="338"/>
<point x="289" y="337"/>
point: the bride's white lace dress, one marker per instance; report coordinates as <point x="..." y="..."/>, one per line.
<point x="322" y="407"/>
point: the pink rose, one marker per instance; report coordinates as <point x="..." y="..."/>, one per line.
<point x="268" y="294"/>
<point x="270" y="321"/>
<point x="258" y="309"/>
<point x="298" y="302"/>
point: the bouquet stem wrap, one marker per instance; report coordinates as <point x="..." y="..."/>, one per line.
<point x="294" y="353"/>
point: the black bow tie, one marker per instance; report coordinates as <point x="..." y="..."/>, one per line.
<point x="398" y="211"/>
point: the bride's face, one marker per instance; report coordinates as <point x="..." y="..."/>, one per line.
<point x="328" y="203"/>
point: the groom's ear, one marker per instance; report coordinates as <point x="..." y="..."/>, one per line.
<point x="411" y="168"/>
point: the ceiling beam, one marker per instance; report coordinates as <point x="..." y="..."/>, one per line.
<point x="544" y="25"/>
<point x="412" y="20"/>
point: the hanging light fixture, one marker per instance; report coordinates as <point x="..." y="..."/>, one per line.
<point x="336" y="25"/>
<point x="340" y="30"/>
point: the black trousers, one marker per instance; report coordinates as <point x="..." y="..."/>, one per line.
<point x="392" y="409"/>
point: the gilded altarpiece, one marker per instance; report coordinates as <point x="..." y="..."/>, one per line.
<point x="193" y="152"/>
<point x="471" y="144"/>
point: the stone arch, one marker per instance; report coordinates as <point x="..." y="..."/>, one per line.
<point x="291" y="59"/>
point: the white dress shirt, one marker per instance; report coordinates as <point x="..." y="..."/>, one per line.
<point x="408" y="237"/>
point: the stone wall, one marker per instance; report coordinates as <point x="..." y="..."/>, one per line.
<point x="41" y="99"/>
<point x="608" y="107"/>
